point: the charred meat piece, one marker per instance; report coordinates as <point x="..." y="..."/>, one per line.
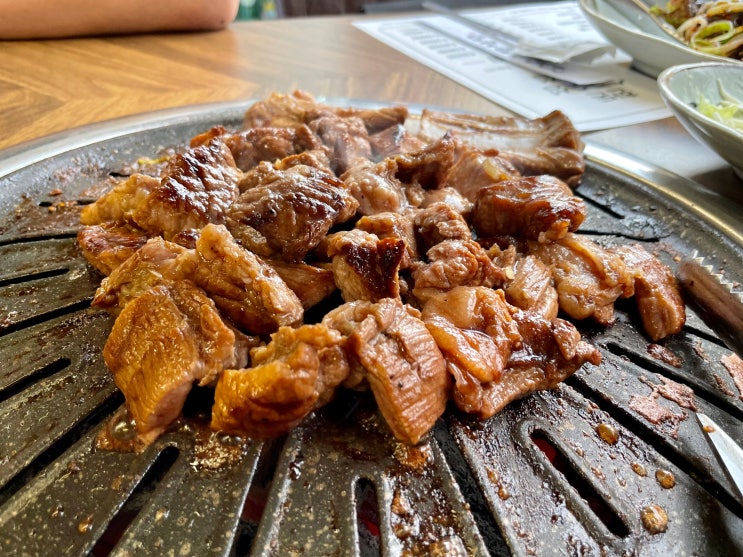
<point x="454" y="263"/>
<point x="165" y="340"/>
<point x="252" y="146"/>
<point x="588" y="278"/>
<point x="107" y="246"/>
<point x="476" y="333"/>
<point x="294" y="374"/>
<point x="547" y="145"/>
<point x="288" y="212"/>
<point x="537" y="208"/>
<point x="365" y="267"/>
<point x="375" y="187"/>
<point x="402" y="363"/>
<point x="532" y="288"/>
<point x="153" y="264"/>
<point x="197" y="188"/>
<point x="659" y="301"/>
<point x="119" y="204"/>
<point x="245" y="288"/>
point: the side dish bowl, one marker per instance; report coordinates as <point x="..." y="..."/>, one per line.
<point x="683" y="87"/>
<point x="651" y="53"/>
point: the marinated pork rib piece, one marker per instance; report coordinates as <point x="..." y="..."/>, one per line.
<point x="547" y="145"/>
<point x="439" y="222"/>
<point x="279" y="110"/>
<point x="532" y="288"/>
<point x="107" y="246"/>
<point x="375" y="120"/>
<point x="288" y="212"/>
<point x="454" y="263"/>
<point x="550" y="352"/>
<point x="588" y="278"/>
<point x="471" y="170"/>
<point x="657" y="295"/>
<point x="402" y="363"/>
<point x="365" y="267"/>
<point x="347" y="139"/>
<point x="297" y="372"/>
<point x="450" y="197"/>
<point x="311" y="284"/>
<point x="153" y="264"/>
<point x="197" y="188"/>
<point x="252" y="146"/>
<point x="119" y="204"/>
<point x="426" y="168"/>
<point x="165" y="340"/>
<point x="476" y="333"/>
<point x="375" y="187"/>
<point x="393" y="225"/>
<point x="393" y="140"/>
<point x="246" y="289"/>
<point x="537" y="208"/>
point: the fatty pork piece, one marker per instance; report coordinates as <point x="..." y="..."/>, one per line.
<point x="588" y="278"/>
<point x="375" y="187"/>
<point x="536" y="208"/>
<point x="657" y="295"/>
<point x="119" y="204"/>
<point x="311" y="283"/>
<point x="393" y="140"/>
<point x="197" y="188"/>
<point x="297" y="372"/>
<point x="449" y="196"/>
<point x="165" y="340"/>
<point x="439" y="222"/>
<point x="453" y="263"/>
<point x="108" y="245"/>
<point x="548" y="145"/>
<point x="400" y="360"/>
<point x="393" y="225"/>
<point x="365" y="267"/>
<point x="245" y="288"/>
<point x="345" y="137"/>
<point x="252" y="146"/>
<point x="532" y="288"/>
<point x="286" y="213"/>
<point x="476" y="333"/>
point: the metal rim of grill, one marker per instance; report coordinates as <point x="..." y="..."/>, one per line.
<point x="573" y="471"/>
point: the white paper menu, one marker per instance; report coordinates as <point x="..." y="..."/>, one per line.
<point x="632" y="99"/>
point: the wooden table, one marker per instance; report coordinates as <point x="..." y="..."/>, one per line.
<point x="50" y="86"/>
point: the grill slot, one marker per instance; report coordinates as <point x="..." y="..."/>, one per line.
<point x="540" y="478"/>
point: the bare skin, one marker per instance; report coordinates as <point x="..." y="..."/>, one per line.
<point x="48" y="19"/>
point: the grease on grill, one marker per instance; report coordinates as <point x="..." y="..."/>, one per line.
<point x="654" y="519"/>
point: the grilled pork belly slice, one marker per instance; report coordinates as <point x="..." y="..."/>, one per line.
<point x="288" y="212"/>
<point x="165" y="340"/>
<point x="365" y="267"/>
<point x="588" y="278"/>
<point x="294" y="374"/>
<point x="476" y="333"/>
<point x="401" y="363"/>
<point x="547" y="145"/>
<point x="245" y="288"/>
<point x="659" y="301"/>
<point x="107" y="246"/>
<point x="453" y="263"/>
<point x="119" y="204"/>
<point x="537" y="208"/>
<point x="532" y="288"/>
<point x="197" y="188"/>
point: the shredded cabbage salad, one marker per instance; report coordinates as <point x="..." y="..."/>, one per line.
<point x="728" y="111"/>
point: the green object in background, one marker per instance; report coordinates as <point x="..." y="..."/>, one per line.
<point x="256" y="9"/>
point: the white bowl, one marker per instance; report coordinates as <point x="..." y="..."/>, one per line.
<point x="651" y="53"/>
<point x="681" y="88"/>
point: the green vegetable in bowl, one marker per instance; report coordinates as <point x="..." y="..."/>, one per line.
<point x="728" y="111"/>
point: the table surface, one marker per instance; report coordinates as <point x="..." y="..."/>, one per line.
<point x="51" y="86"/>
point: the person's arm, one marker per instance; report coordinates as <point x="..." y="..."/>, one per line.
<point x="32" y="19"/>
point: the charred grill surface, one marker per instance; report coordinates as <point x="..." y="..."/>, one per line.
<point x="610" y="462"/>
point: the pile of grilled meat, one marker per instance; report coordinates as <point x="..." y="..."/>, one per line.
<point x="320" y="249"/>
